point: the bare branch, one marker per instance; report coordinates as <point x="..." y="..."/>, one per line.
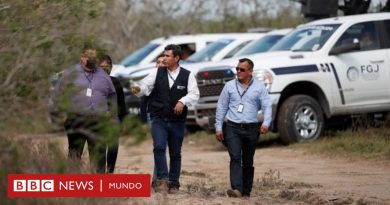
<point x="4" y="6"/>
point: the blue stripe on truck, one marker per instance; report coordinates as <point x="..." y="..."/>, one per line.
<point x="295" y="69"/>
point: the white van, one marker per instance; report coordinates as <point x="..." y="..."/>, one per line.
<point x="324" y="69"/>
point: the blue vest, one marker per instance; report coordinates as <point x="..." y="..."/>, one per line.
<point x="164" y="99"/>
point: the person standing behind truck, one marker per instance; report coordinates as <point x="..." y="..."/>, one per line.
<point x="239" y="102"/>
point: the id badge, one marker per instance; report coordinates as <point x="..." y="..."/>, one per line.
<point x="89" y="92"/>
<point x="240" y="108"/>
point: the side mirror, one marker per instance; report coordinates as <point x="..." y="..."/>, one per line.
<point x="347" y="46"/>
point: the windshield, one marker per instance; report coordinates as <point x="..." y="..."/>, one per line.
<point x="139" y="54"/>
<point x="209" y="51"/>
<point x="307" y="38"/>
<point x="259" y="46"/>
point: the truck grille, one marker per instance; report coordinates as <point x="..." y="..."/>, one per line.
<point x="212" y="82"/>
<point x="206" y="112"/>
<point x="210" y="90"/>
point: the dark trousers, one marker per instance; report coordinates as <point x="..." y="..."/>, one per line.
<point x="169" y="133"/>
<point x="81" y="129"/>
<point x="112" y="154"/>
<point x="241" y="143"/>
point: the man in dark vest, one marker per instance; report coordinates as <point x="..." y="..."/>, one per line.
<point x="174" y="88"/>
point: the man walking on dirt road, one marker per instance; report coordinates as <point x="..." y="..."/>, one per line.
<point x="239" y="102"/>
<point x="174" y="89"/>
<point x="87" y="98"/>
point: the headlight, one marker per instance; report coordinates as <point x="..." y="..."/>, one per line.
<point x="265" y="76"/>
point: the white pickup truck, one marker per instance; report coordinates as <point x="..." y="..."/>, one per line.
<point x="323" y="69"/>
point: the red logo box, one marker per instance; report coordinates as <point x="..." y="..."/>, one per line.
<point x="78" y="185"/>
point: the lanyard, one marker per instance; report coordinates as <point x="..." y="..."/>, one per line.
<point x="171" y="77"/>
<point x="89" y="80"/>
<point x="246" y="89"/>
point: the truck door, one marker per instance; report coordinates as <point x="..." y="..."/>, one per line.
<point x="361" y="76"/>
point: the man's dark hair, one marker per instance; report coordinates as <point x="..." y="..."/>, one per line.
<point x="160" y="56"/>
<point x="249" y="61"/>
<point x="106" y="58"/>
<point x="176" y="50"/>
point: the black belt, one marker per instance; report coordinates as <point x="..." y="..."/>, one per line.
<point x="243" y="125"/>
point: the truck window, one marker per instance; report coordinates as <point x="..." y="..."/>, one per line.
<point x="138" y="55"/>
<point x="307" y="38"/>
<point x="186" y="51"/>
<point x="236" y="49"/>
<point x="261" y="45"/>
<point x="209" y="51"/>
<point x="365" y="32"/>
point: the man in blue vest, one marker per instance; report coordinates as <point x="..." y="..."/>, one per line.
<point x="174" y="89"/>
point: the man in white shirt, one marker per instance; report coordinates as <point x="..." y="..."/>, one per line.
<point x="174" y="89"/>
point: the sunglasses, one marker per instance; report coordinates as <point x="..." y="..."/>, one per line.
<point x="238" y="69"/>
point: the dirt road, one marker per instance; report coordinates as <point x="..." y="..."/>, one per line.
<point x="282" y="176"/>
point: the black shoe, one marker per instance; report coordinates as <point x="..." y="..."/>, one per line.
<point x="173" y="190"/>
<point x="234" y="193"/>
<point x="246" y="195"/>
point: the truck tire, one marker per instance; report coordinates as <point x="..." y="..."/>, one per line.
<point x="300" y="119"/>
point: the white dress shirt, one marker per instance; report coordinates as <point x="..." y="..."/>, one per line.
<point x="147" y="85"/>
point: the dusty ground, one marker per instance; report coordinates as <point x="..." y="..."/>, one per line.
<point x="282" y="176"/>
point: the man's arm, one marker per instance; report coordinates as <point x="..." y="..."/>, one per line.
<point x="266" y="108"/>
<point x="192" y="96"/>
<point x="112" y="98"/>
<point x="222" y="108"/>
<point x="60" y="94"/>
<point x="146" y="85"/>
<point x="122" y="108"/>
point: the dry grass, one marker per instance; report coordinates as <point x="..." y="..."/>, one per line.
<point x="372" y="143"/>
<point x="22" y="155"/>
<point x="205" y="140"/>
<point x="198" y="187"/>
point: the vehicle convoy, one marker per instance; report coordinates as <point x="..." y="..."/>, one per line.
<point x="218" y="50"/>
<point x="147" y="55"/>
<point x="323" y="70"/>
<point x="205" y="47"/>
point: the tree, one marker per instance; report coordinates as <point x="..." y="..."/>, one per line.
<point x="37" y="39"/>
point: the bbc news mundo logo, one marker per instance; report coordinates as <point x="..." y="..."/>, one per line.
<point x="33" y="185"/>
<point x="78" y="185"/>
